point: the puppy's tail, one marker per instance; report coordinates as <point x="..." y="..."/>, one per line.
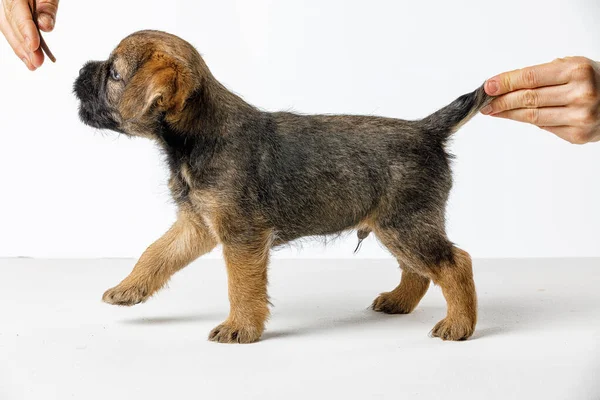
<point x="444" y="122"/>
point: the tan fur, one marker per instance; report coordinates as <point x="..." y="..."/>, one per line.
<point x="247" y="278"/>
<point x="207" y="206"/>
<point x="455" y="278"/>
<point x="187" y="240"/>
<point x="246" y="262"/>
<point x="160" y="83"/>
<point x="186" y="175"/>
<point x="405" y="297"/>
<point x="456" y="281"/>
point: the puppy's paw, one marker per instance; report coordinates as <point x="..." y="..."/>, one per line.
<point x="125" y="295"/>
<point x="391" y="303"/>
<point x="228" y="332"/>
<point x="453" y="329"/>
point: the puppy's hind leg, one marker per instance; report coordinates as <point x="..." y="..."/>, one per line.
<point x="187" y="240"/>
<point x="413" y="284"/>
<point x="427" y="254"/>
<point x="405" y="297"/>
<point x="455" y="277"/>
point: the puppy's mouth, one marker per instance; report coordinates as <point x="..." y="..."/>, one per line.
<point x="97" y="117"/>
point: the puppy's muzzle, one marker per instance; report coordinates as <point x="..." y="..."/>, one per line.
<point x="89" y="88"/>
<point x="87" y="84"/>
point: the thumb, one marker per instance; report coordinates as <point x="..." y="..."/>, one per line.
<point x="46" y="14"/>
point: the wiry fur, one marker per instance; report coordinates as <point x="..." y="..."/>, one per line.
<point x="252" y="180"/>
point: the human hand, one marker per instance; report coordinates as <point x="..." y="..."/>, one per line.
<point x="17" y="26"/>
<point x="562" y="97"/>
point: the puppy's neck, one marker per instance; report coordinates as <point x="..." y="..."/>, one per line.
<point x="210" y="114"/>
<point x="209" y="110"/>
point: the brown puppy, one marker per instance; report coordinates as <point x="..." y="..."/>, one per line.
<point x="251" y="180"/>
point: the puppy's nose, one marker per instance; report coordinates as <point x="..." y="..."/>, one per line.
<point x="90" y="67"/>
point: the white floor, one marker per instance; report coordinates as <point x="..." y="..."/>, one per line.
<point x="537" y="336"/>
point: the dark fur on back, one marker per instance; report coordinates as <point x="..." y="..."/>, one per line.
<point x="251" y="180"/>
<point x="307" y="175"/>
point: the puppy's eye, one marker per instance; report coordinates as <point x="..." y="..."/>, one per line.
<point x="114" y="75"/>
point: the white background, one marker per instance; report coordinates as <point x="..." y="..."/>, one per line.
<point x="67" y="190"/>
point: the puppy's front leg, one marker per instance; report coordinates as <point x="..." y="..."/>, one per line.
<point x="249" y="304"/>
<point x="187" y="240"/>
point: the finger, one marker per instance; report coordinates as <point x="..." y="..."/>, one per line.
<point x="46" y="10"/>
<point x="17" y="47"/>
<point x="548" y="74"/>
<point x="19" y="16"/>
<point x="37" y="57"/>
<point x="569" y="133"/>
<point x="549" y="96"/>
<point x="547" y="116"/>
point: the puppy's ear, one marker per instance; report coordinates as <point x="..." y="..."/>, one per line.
<point x="162" y="84"/>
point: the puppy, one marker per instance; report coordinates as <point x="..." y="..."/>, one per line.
<point x="252" y="180"/>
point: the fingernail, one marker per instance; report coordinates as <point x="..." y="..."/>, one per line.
<point x="492" y="87"/>
<point x="486" y="110"/>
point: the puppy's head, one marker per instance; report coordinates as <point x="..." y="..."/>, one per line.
<point x="147" y="79"/>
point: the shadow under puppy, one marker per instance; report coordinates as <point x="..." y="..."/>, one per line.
<point x="252" y="180"/>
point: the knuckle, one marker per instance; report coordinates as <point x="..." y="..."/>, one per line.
<point x="12" y="4"/>
<point x="588" y="117"/>
<point x="530" y="78"/>
<point x="583" y="69"/>
<point x="532" y="116"/>
<point x="9" y="7"/>
<point x="529" y="98"/>
<point x="506" y="83"/>
<point x="499" y="104"/>
<point x="578" y="137"/>
<point x="588" y="93"/>
<point x="21" y="24"/>
<point x="577" y="59"/>
<point x="561" y="60"/>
